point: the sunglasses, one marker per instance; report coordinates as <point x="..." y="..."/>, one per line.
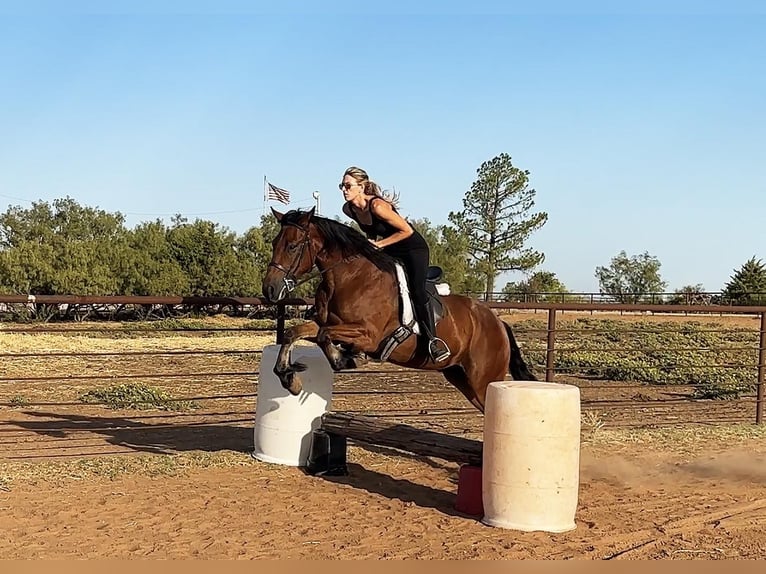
<point x="346" y="185"/>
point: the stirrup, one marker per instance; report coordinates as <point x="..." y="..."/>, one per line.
<point x="438" y="355"/>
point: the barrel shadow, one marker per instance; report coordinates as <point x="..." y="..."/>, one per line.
<point x="401" y="488"/>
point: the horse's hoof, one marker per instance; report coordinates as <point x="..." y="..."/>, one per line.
<point x="292" y="383"/>
<point x="337" y="365"/>
<point x="357" y="360"/>
<point x="298" y="367"/>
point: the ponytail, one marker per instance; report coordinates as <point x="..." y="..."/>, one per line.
<point x="370" y="187"/>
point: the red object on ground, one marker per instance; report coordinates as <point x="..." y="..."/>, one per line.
<point x="469" y="491"/>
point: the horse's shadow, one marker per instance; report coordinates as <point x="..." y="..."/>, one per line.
<point x="401" y="488"/>
<point x="139" y="436"/>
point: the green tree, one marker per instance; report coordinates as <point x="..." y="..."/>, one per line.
<point x="149" y="267"/>
<point x="631" y="279"/>
<point x="690" y="295"/>
<point x="206" y="253"/>
<point x="748" y="284"/>
<point x="540" y="286"/>
<point x="62" y="248"/>
<point x="497" y="221"/>
<point x="449" y="250"/>
<point x="257" y="241"/>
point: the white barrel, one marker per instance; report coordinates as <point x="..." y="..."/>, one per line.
<point x="283" y="422"/>
<point x="531" y="461"/>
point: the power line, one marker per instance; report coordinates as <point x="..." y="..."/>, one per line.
<point x="299" y="203"/>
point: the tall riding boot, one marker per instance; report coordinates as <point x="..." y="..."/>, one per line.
<point x="437" y="348"/>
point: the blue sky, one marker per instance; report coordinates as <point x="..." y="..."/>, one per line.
<point x="643" y="126"/>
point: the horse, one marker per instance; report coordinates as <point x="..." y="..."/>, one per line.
<point x="358" y="311"/>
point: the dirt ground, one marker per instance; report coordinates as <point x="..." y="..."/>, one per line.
<point x="85" y="481"/>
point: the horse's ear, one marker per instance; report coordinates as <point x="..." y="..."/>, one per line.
<point x="277" y="214"/>
<point x="306" y="217"/>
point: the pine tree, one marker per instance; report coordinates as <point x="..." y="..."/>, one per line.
<point x="497" y="221"/>
<point x="747" y="285"/>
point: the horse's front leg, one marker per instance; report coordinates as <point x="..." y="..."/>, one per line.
<point x="357" y="340"/>
<point x="284" y="370"/>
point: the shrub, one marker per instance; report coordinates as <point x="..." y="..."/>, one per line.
<point x="135" y="396"/>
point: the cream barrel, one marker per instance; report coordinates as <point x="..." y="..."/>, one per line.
<point x="531" y="460"/>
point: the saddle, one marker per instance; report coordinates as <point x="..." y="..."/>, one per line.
<point x="409" y="326"/>
<point x="434" y="289"/>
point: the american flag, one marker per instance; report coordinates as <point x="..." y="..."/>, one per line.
<point x="278" y="194"/>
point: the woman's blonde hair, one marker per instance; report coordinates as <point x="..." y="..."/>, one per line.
<point x="370" y="187"/>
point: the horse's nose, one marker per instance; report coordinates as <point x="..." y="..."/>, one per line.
<point x="269" y="292"/>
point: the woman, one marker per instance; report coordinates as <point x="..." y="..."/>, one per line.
<point x="377" y="217"/>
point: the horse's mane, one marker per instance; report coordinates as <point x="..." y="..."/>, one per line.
<point x="344" y="238"/>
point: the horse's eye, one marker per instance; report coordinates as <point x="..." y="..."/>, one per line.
<point x="293" y="246"/>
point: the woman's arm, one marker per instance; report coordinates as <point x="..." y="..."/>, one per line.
<point x="385" y="211"/>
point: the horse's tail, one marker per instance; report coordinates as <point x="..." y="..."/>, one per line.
<point x="516" y="365"/>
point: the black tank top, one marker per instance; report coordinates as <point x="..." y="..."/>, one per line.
<point x="378" y="229"/>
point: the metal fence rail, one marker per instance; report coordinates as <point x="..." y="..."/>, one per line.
<point x="550" y="342"/>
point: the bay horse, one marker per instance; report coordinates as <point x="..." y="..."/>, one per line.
<point x="357" y="306"/>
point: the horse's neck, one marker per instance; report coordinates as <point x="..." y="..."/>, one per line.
<point x="328" y="262"/>
<point x="354" y="272"/>
<point x="356" y="291"/>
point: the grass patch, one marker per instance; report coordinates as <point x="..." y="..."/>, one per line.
<point x="270" y="324"/>
<point x="19" y="401"/>
<point x="154" y="465"/>
<point x="718" y="360"/>
<point x="170" y="324"/>
<point x="138" y="396"/>
<point x="686" y="439"/>
<point x="113" y="467"/>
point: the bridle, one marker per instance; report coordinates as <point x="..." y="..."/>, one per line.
<point x="290" y="281"/>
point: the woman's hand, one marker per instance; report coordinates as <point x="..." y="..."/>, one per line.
<point x="374" y="243"/>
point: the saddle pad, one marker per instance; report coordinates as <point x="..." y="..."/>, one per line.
<point x="408" y="315"/>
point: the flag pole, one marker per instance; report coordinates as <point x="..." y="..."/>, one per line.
<point x="264" y="197"/>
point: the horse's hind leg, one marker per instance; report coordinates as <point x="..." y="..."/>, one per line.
<point x="473" y="378"/>
<point x="283" y="369"/>
<point x="457" y="377"/>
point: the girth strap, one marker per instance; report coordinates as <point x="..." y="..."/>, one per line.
<point x="401" y="334"/>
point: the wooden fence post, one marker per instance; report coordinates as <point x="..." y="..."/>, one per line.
<point x="281" y="312"/>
